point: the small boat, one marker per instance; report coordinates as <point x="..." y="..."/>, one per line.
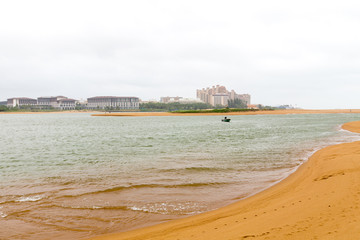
<point x="225" y="119"/>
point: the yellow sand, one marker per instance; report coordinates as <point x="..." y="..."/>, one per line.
<point x="290" y="111"/>
<point x="321" y="200"/>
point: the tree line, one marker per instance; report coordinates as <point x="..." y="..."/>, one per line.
<point x="173" y="106"/>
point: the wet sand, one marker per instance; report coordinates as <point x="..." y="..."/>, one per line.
<point x="289" y="111"/>
<point x="321" y="200"/>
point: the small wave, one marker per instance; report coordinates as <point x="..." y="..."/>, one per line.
<point x="93" y="207"/>
<point x="197" y="184"/>
<point x="170" y="208"/>
<point x="115" y="189"/>
<point x="7" y="201"/>
<point x="2" y="215"/>
<point x="277" y="167"/>
<point x="197" y="169"/>
<point x="140" y="186"/>
<point x="29" y="199"/>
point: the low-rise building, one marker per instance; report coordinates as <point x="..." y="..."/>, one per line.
<point x="21" y="101"/>
<point x="253" y="106"/>
<point x="47" y="102"/>
<point x="67" y="104"/>
<point x="121" y="103"/>
<point x="58" y="102"/>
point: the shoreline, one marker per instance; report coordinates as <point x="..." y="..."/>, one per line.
<point x="267" y="112"/>
<point x="153" y="114"/>
<point x="320" y="200"/>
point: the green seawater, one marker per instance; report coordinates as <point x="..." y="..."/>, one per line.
<point x="117" y="173"/>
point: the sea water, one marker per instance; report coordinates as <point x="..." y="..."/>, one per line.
<point x="72" y="176"/>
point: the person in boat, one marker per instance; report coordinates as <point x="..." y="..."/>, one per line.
<point x="225" y="119"/>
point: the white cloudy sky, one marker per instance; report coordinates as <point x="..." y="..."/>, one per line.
<point x="281" y="52"/>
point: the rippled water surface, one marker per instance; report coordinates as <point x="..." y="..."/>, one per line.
<point x="71" y="176"/>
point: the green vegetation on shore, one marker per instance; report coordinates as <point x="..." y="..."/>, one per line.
<point x="4" y="108"/>
<point x="27" y="109"/>
<point x="174" y="106"/>
<point x="31" y="108"/>
<point x="222" y="110"/>
<point x="233" y="106"/>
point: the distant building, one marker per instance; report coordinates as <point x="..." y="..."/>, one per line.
<point x="189" y="100"/>
<point x="22" y="101"/>
<point x="58" y="102"/>
<point x="285" y="107"/>
<point x="67" y="104"/>
<point x="3" y="103"/>
<point x="254" y="106"/>
<point x="130" y="103"/>
<point x="179" y="100"/>
<point x="48" y="102"/>
<point x="170" y="99"/>
<point x="149" y="101"/>
<point x="153" y="100"/>
<point x="219" y="99"/>
<point x="219" y="96"/>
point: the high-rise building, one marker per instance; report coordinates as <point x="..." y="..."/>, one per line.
<point x="218" y="95"/>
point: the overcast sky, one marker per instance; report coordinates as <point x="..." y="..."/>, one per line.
<point x="304" y="53"/>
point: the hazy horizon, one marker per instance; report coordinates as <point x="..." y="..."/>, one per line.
<point x="304" y="53"/>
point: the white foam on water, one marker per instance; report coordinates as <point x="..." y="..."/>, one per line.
<point x="29" y="199"/>
<point x="168" y="208"/>
<point x="2" y="215"/>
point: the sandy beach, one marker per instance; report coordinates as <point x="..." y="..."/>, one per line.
<point x="321" y="200"/>
<point x="287" y="111"/>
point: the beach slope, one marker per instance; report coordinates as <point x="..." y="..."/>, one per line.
<point x="321" y="200"/>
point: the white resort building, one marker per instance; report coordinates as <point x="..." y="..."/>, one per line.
<point x="121" y="103"/>
<point x="58" y="102"/>
<point x="22" y="101"/>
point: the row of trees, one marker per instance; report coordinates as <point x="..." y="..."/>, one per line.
<point x="236" y="103"/>
<point x="3" y="108"/>
<point x="174" y="106"/>
<point x="151" y="106"/>
<point x="26" y="108"/>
